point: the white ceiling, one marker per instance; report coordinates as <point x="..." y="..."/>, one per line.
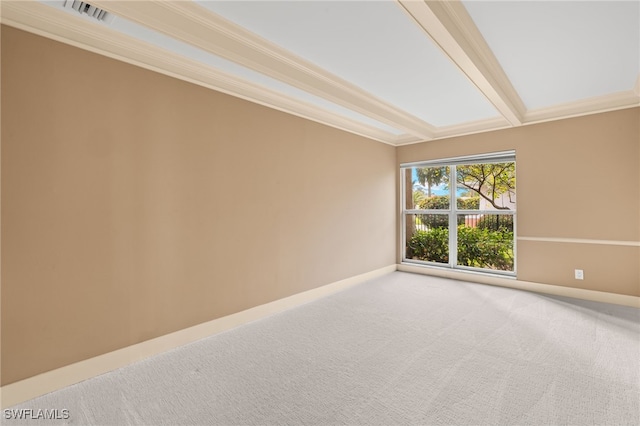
<point x="395" y="71"/>
<point x="555" y="52"/>
<point x="372" y="44"/>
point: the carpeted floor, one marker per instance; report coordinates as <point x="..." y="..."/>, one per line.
<point x="398" y="350"/>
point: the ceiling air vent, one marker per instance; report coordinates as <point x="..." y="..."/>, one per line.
<point x="85" y="8"/>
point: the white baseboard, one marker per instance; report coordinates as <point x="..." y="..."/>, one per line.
<point x="578" y="293"/>
<point x="41" y="384"/>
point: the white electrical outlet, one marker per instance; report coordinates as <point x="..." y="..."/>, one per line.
<point x="579" y="274"/>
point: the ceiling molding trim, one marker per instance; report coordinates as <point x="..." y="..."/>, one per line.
<point x="451" y="28"/>
<point x="612" y="102"/>
<point x="597" y="105"/>
<point x="193" y="24"/>
<point x="464" y="129"/>
<point x="48" y="22"/>
<point x="472" y="127"/>
<point x="407" y="140"/>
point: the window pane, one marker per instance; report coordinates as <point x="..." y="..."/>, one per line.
<point x="427" y="237"/>
<point x="490" y="186"/>
<point x="429" y="188"/>
<point x="486" y="241"/>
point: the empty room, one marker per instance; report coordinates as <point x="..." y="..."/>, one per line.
<point x="391" y="212"/>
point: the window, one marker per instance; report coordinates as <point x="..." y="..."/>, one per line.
<point x="461" y="213"/>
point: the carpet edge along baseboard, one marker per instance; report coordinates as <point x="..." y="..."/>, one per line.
<point x="556" y="290"/>
<point x="41" y="384"/>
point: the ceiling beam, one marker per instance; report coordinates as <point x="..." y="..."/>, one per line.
<point x="449" y="25"/>
<point x="193" y="24"/>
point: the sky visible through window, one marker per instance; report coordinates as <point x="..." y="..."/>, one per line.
<point x="439" y="190"/>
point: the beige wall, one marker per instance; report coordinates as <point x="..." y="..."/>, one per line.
<point x="576" y="179"/>
<point x="134" y="205"/>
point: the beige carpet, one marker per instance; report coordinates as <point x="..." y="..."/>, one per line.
<point x="401" y="349"/>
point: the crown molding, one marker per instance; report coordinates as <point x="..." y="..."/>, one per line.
<point x="472" y="127"/>
<point x="52" y="23"/>
<point x="463" y="129"/>
<point x="407" y="140"/>
<point x="598" y="104"/>
<point x="193" y="24"/>
<point x="451" y="28"/>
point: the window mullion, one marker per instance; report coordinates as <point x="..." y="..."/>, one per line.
<point x="403" y="214"/>
<point x="453" y="222"/>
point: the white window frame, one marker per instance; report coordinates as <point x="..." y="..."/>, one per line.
<point x="453" y="211"/>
